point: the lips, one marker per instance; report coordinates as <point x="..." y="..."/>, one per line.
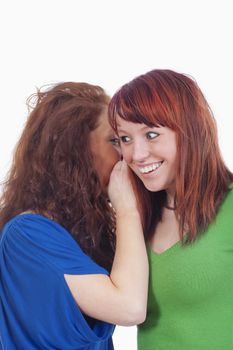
<point x="149" y="168"/>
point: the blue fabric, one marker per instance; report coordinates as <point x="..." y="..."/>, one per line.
<point x="37" y="310"/>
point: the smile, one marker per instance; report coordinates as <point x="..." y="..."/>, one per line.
<point x="149" y="168"/>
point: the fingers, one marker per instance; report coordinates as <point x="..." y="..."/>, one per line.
<point x="120" y="165"/>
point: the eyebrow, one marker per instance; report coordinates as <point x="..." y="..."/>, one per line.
<point x="142" y="128"/>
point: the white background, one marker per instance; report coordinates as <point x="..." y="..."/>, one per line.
<point x="109" y="42"/>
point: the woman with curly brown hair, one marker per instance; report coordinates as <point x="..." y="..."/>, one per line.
<point x="168" y="138"/>
<point x="65" y="277"/>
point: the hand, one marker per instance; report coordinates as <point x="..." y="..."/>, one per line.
<point x="120" y="189"/>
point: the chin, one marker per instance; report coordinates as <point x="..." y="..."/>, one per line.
<point x="154" y="187"/>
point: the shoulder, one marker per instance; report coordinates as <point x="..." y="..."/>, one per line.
<point x="37" y="228"/>
<point x="33" y="235"/>
<point x="224" y="215"/>
<point x="227" y="203"/>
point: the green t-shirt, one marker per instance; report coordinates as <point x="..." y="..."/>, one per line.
<point x="190" y="302"/>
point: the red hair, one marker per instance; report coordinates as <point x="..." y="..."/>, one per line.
<point x="53" y="172"/>
<point x="167" y="98"/>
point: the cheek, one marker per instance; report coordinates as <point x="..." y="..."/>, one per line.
<point x="168" y="150"/>
<point x="172" y="155"/>
<point x="107" y="164"/>
<point x="110" y="158"/>
<point x="114" y="156"/>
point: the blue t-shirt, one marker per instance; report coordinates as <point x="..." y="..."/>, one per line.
<point x="37" y="309"/>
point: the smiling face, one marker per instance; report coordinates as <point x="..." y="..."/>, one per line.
<point x="104" y="148"/>
<point x="150" y="152"/>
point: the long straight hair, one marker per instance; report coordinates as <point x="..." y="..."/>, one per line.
<point x="174" y="100"/>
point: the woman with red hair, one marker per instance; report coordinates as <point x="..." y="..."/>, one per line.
<point x="168" y="138"/>
<point x="65" y="277"/>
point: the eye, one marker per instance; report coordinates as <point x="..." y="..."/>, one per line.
<point x="151" y="135"/>
<point x="115" y="141"/>
<point x="125" y="139"/>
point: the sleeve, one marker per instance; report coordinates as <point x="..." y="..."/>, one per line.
<point x="36" y="303"/>
<point x="54" y="245"/>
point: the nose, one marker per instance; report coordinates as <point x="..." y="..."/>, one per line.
<point x="140" y="151"/>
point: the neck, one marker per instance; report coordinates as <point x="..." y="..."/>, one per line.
<point x="170" y="202"/>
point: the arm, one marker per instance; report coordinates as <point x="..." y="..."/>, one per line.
<point x="120" y="298"/>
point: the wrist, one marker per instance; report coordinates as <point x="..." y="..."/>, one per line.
<point x="127" y="212"/>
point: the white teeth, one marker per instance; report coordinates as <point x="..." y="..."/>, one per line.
<point x="149" y="168"/>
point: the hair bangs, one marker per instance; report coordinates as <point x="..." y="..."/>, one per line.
<point x="136" y="109"/>
<point x="143" y="102"/>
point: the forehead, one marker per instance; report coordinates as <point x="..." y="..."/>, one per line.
<point x="123" y="124"/>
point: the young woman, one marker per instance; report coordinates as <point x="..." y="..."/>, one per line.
<point x="61" y="286"/>
<point x="168" y="138"/>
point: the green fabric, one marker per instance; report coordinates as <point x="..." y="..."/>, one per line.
<point x="190" y="305"/>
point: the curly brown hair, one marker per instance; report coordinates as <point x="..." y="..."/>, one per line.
<point x="53" y="172"/>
